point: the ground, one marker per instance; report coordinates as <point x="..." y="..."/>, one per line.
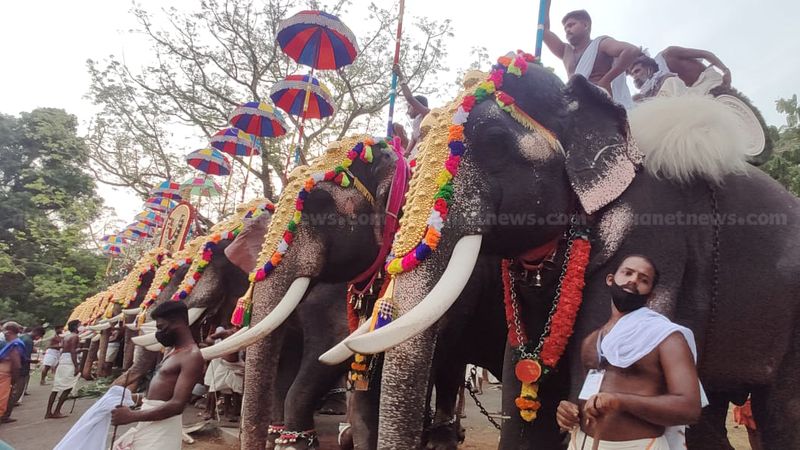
<point x="32" y="432"/>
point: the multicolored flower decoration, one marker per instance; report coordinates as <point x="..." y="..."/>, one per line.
<point x="199" y="265"/>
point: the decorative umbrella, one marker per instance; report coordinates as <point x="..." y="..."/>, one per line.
<point x="113" y="239"/>
<point x="140" y="229"/>
<point x="167" y="189"/>
<point x="112" y="249"/>
<point x="289" y="95"/>
<point x="204" y="187"/>
<point x="150" y="218"/>
<point x="209" y="161"/>
<point x="234" y="142"/>
<point x="258" y="118"/>
<point x="132" y="235"/>
<point x="317" y="39"/>
<point x="159" y="204"/>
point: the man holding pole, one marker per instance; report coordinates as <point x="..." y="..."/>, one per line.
<point x="602" y="60"/>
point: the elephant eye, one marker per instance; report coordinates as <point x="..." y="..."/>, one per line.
<point x="496" y="137"/>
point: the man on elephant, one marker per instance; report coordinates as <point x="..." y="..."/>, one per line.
<point x="687" y="64"/>
<point x="171" y="387"/>
<point x="652" y="81"/>
<point x="642" y="383"/>
<point x="417" y="110"/>
<point x="603" y="60"/>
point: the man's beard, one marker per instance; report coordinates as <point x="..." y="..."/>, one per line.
<point x="625" y="301"/>
<point x="166" y="339"/>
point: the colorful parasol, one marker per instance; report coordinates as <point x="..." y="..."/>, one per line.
<point x="234" y="142"/>
<point x="167" y="189"/>
<point x="150" y="218"/>
<point x="289" y="95"/>
<point x="159" y="204"/>
<point x="258" y="118"/>
<point x="112" y="239"/>
<point x="204" y="187"/>
<point x="317" y="39"/>
<point x="112" y="250"/>
<point x="139" y="229"/>
<point x="210" y="161"/>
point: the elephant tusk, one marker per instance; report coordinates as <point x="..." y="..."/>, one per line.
<point x="131" y="311"/>
<point x="339" y="353"/>
<point x="145" y="339"/>
<point x="116" y="318"/>
<point x="266" y="326"/>
<point x="431" y="308"/>
<point x="194" y="314"/>
<point x="132" y="326"/>
<point x="157" y="347"/>
<point x="99" y="327"/>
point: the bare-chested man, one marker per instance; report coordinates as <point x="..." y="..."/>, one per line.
<point x="687" y="64"/>
<point x="641" y="376"/>
<point x="603" y="61"/>
<point x="52" y="354"/>
<point x="66" y="373"/>
<point x="171" y="388"/>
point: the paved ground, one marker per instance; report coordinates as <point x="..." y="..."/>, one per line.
<point x="33" y="432"/>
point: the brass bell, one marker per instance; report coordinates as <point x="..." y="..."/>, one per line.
<point x="537" y="279"/>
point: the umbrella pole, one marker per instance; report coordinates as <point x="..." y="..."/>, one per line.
<point x="540" y="28"/>
<point x="227" y="189"/>
<point x="247" y="174"/>
<point x="303" y="117"/>
<point x="393" y="91"/>
<point x="108" y="267"/>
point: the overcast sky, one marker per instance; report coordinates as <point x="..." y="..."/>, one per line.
<point x="46" y="43"/>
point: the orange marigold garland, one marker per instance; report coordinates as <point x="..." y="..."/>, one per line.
<point x="532" y="367"/>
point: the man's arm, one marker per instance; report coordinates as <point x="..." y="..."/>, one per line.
<point x="679" y="406"/>
<point x="16" y="364"/>
<point x="73" y="351"/>
<point x="623" y="54"/>
<point x="407" y="94"/>
<point x="554" y="43"/>
<point x="693" y="53"/>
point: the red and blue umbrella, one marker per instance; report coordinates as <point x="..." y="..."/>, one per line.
<point x="234" y="142"/>
<point x="112" y="250"/>
<point x="167" y="189"/>
<point x="317" y="39"/>
<point x="210" y="161"/>
<point x="290" y="94"/>
<point x="150" y="218"/>
<point x="258" y="118"/>
<point x="160" y="204"/>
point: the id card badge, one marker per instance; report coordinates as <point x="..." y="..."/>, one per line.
<point x="591" y="386"/>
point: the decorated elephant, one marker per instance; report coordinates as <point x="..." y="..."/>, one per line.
<point x="517" y="168"/>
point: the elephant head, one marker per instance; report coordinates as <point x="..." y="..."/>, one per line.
<point x="500" y="172"/>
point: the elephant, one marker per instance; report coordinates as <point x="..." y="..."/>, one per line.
<point x="332" y="245"/>
<point x="542" y="150"/>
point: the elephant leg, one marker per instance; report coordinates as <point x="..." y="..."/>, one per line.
<point x="444" y="432"/>
<point x="710" y="432"/>
<point x="777" y="410"/>
<point x="260" y="377"/>
<point x="90" y="358"/>
<point x="288" y="367"/>
<point x="363" y="411"/>
<point x="129" y="348"/>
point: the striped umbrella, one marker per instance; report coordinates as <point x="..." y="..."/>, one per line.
<point x="159" y="204"/>
<point x="150" y="218"/>
<point x="317" y="39"/>
<point x="140" y="229"/>
<point x="258" y="118"/>
<point x="113" y="239"/>
<point x="204" y="187"/>
<point x="234" y="142"/>
<point x="209" y="161"/>
<point x="111" y="249"/>
<point x="289" y="94"/>
<point x="167" y="189"/>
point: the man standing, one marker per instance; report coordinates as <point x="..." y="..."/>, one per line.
<point x="12" y="356"/>
<point x="417" y="110"/>
<point x="652" y="81"/>
<point x="603" y="60"/>
<point x="67" y="372"/>
<point x="24" y="372"/>
<point x="225" y="377"/>
<point x="52" y="354"/>
<point x="171" y="388"/>
<point x="112" y="350"/>
<point x="687" y="64"/>
<point x="641" y="379"/>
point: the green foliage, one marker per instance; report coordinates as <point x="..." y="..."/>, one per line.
<point x="47" y="201"/>
<point x="784" y="165"/>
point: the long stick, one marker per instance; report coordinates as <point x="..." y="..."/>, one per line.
<point x="540" y="28"/>
<point x="247" y="173"/>
<point x="122" y="398"/>
<point x="303" y="117"/>
<point x="393" y="91"/>
<point x="227" y="189"/>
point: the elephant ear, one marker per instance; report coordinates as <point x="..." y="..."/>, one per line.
<point x="601" y="155"/>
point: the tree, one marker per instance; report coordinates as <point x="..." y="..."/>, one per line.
<point x="784" y="165"/>
<point x="208" y="61"/>
<point x="47" y="200"/>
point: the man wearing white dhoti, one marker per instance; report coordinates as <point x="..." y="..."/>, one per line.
<point x="90" y="432"/>
<point x="159" y="426"/>
<point x="67" y="372"/>
<point x="641" y="386"/>
<point x="52" y="354"/>
<point x="602" y="60"/>
<point x="687" y="64"/>
<point x="225" y="377"/>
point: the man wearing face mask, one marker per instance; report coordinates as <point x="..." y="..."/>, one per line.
<point x="171" y="388"/>
<point x="641" y="386"/>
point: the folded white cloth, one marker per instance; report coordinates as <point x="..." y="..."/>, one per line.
<point x="162" y="435"/>
<point x="619" y="85"/>
<point x="90" y="432"/>
<point x="225" y="377"/>
<point x="111" y="351"/>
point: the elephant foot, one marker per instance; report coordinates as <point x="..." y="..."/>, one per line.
<point x="273" y="433"/>
<point x="334" y="403"/>
<point x="444" y="435"/>
<point x="297" y="440"/>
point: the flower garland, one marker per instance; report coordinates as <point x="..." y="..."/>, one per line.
<point x="341" y="176"/>
<point x="200" y="264"/>
<point x="532" y="367"/>
<point x="173" y="267"/>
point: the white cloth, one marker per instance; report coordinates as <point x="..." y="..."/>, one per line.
<point x="51" y="356"/>
<point x="619" y="85"/>
<point x="65" y="377"/>
<point x="90" y="432"/>
<point x="225" y="377"/>
<point x="635" y="335"/>
<point x="111" y="352"/>
<point x="707" y="80"/>
<point x="416" y="131"/>
<point x="162" y="435"/>
<point x="580" y="440"/>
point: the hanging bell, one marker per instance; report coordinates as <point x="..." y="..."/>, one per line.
<point x="537" y="278"/>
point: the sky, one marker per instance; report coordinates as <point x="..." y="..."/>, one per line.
<point x="45" y="44"/>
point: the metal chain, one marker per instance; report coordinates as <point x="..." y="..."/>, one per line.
<point x="523" y="352"/>
<point x="717" y="225"/>
<point x="472" y="393"/>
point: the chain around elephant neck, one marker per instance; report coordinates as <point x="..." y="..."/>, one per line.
<point x="717" y="225"/>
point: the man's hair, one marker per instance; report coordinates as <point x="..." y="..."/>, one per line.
<point x="579" y="14"/>
<point x="12" y="326"/>
<point x="422" y="99"/>
<point x="656" y="274"/>
<point x="171" y="310"/>
<point x="646" y="62"/>
<point x="38" y="330"/>
<point x="73" y="325"/>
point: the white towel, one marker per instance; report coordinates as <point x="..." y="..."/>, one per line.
<point x="162" y="435"/>
<point x="65" y="377"/>
<point x="90" y="432"/>
<point x="619" y="85"/>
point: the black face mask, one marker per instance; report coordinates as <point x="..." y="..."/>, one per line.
<point x="166" y="339"/>
<point x="625" y="301"/>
